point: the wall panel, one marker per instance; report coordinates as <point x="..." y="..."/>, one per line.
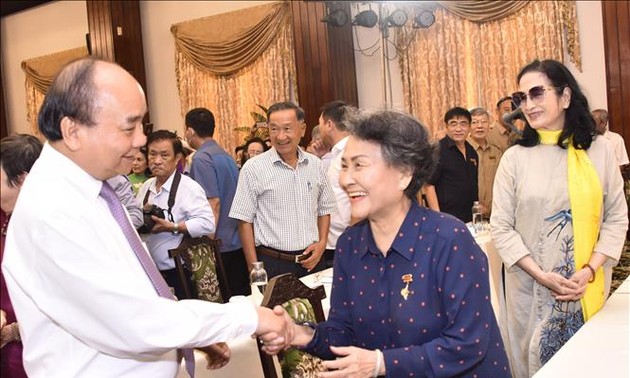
<point x="324" y="60"/>
<point x="616" y="22"/>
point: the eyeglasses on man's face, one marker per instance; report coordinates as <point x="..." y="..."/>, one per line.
<point x="535" y="94"/>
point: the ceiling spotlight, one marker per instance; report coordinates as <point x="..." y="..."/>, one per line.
<point x="397" y="18"/>
<point x="366" y="18"/>
<point x="336" y="18"/>
<point x="424" y="19"/>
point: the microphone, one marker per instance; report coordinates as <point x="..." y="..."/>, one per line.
<point x="510" y="117"/>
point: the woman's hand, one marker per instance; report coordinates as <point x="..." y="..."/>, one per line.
<point x="581" y="278"/>
<point x="352" y="362"/>
<point x="560" y="286"/>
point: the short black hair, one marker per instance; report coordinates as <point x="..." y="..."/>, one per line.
<point x="579" y="124"/>
<point x="285" y="105"/>
<point x="457" y="111"/>
<point x="72" y="94"/>
<point x="18" y="153"/>
<point x="337" y="112"/>
<point x="404" y="144"/>
<point x="178" y="147"/>
<point x="202" y="121"/>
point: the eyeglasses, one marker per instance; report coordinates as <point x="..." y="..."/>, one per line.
<point x="535" y="94"/>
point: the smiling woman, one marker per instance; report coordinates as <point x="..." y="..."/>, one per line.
<point x="410" y="290"/>
<point x="559" y="218"/>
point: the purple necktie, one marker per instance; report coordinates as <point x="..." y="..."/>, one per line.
<point x="145" y="260"/>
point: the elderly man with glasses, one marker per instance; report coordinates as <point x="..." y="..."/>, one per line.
<point x="489" y="156"/>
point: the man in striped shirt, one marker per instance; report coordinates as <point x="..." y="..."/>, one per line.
<point x="284" y="200"/>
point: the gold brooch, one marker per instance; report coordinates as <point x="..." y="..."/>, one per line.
<point x="404" y="292"/>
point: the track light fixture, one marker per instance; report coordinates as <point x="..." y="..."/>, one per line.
<point x="397" y="18"/>
<point x="366" y="18"/>
<point x="424" y="19"/>
<point x="337" y="18"/>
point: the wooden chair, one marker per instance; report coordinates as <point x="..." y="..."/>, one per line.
<point x="280" y="290"/>
<point x="207" y="280"/>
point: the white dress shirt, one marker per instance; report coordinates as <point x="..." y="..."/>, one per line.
<point x="340" y="219"/>
<point x="85" y="305"/>
<point x="190" y="206"/>
<point x="619" y="147"/>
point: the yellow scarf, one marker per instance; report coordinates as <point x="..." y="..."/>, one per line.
<point x="586" y="197"/>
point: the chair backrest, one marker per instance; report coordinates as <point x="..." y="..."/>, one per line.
<point x="288" y="291"/>
<point x="207" y="280"/>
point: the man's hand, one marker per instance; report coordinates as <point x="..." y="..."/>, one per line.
<point x="317" y="148"/>
<point x="275" y="329"/>
<point x="317" y="250"/>
<point x="217" y="355"/>
<point x="3" y="319"/>
<point x="161" y="225"/>
<point x="10" y="332"/>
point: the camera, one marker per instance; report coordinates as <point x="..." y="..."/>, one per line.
<point x="147" y="211"/>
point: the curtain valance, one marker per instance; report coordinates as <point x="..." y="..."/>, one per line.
<point x="483" y="10"/>
<point x="41" y="71"/>
<point x="226" y="43"/>
<point x="491" y="10"/>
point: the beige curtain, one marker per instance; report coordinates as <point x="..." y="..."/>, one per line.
<point x="246" y="59"/>
<point x="40" y="73"/>
<point x="458" y="62"/>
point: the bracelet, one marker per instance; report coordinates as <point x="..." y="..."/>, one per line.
<point x="379" y="361"/>
<point x="175" y="230"/>
<point x="592" y="272"/>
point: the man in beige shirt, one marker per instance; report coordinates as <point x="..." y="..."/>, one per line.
<point x="489" y="156"/>
<point x="501" y="135"/>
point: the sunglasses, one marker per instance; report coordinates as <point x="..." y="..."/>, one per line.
<point x="535" y="94"/>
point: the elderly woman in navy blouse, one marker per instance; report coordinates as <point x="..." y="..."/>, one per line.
<point x="410" y="294"/>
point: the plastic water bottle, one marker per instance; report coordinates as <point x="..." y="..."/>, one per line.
<point x="477" y="217"/>
<point x="258" y="277"/>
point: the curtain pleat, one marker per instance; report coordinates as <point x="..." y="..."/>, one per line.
<point x="268" y="79"/>
<point x="483" y="10"/>
<point x="226" y="43"/>
<point x="458" y="62"/>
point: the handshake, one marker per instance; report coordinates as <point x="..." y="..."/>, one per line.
<point x="277" y="331"/>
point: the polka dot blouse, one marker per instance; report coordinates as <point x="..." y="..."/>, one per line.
<point x="426" y="305"/>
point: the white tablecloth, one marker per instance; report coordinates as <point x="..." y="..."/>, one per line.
<point x="600" y="348"/>
<point x="494" y="261"/>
